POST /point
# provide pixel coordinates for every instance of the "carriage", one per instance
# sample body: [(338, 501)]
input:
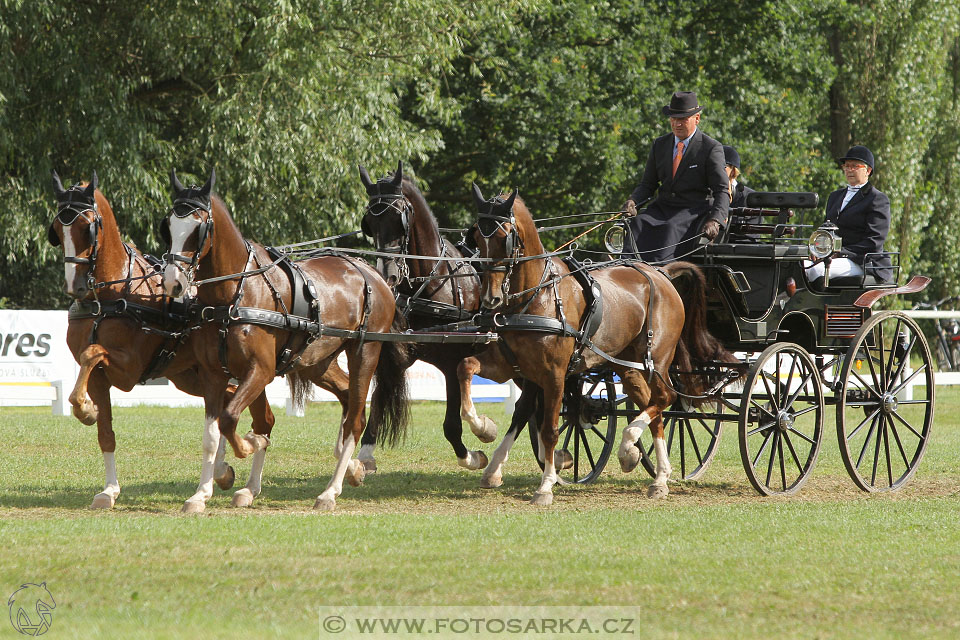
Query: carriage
[(804, 348)]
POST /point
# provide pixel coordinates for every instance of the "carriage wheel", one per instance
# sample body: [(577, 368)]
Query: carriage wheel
[(884, 415), (781, 419), (588, 426), (692, 438)]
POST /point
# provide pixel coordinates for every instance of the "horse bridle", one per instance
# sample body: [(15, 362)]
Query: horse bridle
[(488, 223), (379, 204), (184, 207), (68, 212)]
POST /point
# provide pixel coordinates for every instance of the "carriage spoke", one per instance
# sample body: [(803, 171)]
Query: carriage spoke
[(762, 408), (861, 425), (876, 453), (772, 398), (602, 436), (762, 427), (886, 448), (763, 445), (907, 424), (586, 447), (773, 456), (693, 441), (866, 385), (783, 470), (913, 375), (866, 442), (793, 452), (891, 359), (896, 437), (801, 435), (905, 360)]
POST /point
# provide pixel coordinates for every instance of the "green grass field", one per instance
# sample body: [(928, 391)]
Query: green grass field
[(713, 560)]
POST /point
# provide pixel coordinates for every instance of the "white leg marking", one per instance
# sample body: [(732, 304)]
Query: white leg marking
[(111, 488), (473, 460), (493, 474), (244, 497), (544, 494), (483, 427), (629, 453), (211, 441), (328, 499), (663, 462)]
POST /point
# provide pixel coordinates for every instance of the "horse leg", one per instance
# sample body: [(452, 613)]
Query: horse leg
[(85, 410), (99, 390), (453, 425), (211, 441), (362, 362), (654, 397), (552, 399), (247, 392), (493, 474), (336, 381), (483, 427), (263, 421)]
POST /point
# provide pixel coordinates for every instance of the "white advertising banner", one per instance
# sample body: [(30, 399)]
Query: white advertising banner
[(37, 368)]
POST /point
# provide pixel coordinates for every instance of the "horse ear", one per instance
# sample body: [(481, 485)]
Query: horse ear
[(478, 197), (364, 176), (52, 236), (207, 188), (58, 189), (398, 176), (92, 186), (509, 203), (177, 187)]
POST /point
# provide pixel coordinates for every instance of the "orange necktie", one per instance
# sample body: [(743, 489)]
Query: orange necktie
[(677, 158)]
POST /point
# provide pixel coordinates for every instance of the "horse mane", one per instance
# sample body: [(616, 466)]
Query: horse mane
[(218, 209), (527, 228)]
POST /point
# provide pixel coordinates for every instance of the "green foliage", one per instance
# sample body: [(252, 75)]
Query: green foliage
[(559, 98)]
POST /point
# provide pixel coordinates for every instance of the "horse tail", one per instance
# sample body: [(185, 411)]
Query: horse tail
[(697, 344), (390, 402), (299, 388)]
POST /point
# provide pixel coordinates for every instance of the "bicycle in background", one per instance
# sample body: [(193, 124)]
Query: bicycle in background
[(947, 334)]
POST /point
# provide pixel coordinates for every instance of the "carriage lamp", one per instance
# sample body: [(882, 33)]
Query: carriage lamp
[(613, 239), (824, 242)]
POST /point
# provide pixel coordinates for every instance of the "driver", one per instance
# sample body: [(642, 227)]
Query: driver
[(685, 168)]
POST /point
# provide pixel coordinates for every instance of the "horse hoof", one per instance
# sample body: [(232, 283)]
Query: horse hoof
[(102, 501), (487, 431), (369, 465), (542, 499), (324, 504), (226, 480), (473, 460), (84, 415), (257, 441), (491, 482), (192, 507), (562, 460), (355, 473), (657, 491), (242, 498), (629, 456)]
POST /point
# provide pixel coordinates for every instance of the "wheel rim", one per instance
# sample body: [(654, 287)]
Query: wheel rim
[(781, 420), (883, 421), (587, 427)]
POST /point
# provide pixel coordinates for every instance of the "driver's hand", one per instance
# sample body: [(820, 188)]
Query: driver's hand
[(711, 229), (630, 207)]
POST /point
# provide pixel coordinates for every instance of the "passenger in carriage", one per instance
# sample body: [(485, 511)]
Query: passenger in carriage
[(862, 215), (685, 169), (738, 190)]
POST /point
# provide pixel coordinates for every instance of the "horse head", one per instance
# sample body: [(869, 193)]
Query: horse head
[(387, 222), (496, 236), (187, 231), (76, 229)]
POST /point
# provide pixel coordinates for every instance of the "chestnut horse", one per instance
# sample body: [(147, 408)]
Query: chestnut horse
[(259, 321), (430, 293), (540, 310), (117, 328)]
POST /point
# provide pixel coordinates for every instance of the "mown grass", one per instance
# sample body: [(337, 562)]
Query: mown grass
[(712, 560)]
